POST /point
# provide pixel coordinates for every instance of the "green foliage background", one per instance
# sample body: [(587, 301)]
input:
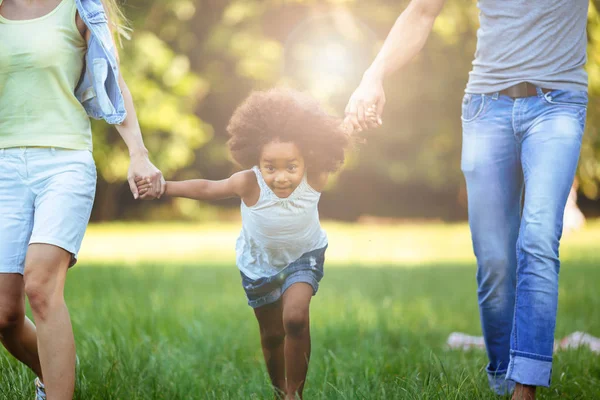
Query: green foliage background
[(190, 63)]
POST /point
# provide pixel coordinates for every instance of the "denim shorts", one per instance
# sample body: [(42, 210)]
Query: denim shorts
[(46, 196), (308, 269)]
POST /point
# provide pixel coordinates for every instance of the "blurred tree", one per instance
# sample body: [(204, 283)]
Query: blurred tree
[(589, 165)]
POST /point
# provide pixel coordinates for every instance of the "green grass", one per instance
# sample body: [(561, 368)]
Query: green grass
[(148, 328)]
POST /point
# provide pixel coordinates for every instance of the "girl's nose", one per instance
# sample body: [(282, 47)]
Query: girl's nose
[(280, 177)]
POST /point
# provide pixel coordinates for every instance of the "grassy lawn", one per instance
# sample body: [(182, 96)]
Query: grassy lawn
[(159, 313)]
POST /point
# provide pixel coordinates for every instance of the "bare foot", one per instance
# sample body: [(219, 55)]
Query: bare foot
[(524, 392)]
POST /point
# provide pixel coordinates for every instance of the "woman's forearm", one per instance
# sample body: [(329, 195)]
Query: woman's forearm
[(130, 128)]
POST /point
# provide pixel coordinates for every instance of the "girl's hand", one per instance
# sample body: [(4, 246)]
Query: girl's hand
[(144, 187)]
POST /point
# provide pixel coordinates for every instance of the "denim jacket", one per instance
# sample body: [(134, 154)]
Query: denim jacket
[(98, 89)]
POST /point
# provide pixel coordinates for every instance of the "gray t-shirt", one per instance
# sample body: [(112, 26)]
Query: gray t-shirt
[(538, 41)]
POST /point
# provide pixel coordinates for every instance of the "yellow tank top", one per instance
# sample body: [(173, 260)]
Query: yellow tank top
[(41, 61)]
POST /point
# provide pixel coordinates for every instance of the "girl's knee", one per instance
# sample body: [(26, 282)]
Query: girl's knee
[(10, 318), (272, 339), (295, 322)]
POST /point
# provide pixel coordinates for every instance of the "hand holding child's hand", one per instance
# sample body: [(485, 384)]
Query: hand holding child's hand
[(144, 186), (373, 121)]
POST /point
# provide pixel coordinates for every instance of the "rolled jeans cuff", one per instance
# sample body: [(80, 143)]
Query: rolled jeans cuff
[(529, 369)]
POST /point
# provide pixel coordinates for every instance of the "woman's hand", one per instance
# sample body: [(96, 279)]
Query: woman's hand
[(141, 167)]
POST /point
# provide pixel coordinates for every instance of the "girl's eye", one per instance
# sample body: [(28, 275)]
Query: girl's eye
[(270, 168), (292, 167)]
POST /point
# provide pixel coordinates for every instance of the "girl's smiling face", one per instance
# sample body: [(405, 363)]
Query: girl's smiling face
[(282, 167)]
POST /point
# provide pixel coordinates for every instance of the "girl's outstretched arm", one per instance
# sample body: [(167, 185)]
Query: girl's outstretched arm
[(240, 184)]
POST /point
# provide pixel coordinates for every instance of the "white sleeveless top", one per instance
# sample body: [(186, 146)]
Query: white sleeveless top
[(277, 231)]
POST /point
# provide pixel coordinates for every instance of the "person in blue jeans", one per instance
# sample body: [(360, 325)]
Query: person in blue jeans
[(523, 117)]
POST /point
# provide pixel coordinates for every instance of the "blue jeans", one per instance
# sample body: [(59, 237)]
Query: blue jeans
[(519, 158)]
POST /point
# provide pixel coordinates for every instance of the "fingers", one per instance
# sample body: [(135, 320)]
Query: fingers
[(133, 188), (380, 105), (372, 119), (147, 196), (157, 183), (163, 187), (144, 175), (351, 116), (147, 191), (347, 109), (362, 115), (144, 188), (372, 123), (350, 128), (143, 182)]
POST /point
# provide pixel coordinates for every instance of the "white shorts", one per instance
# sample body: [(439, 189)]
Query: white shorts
[(46, 196)]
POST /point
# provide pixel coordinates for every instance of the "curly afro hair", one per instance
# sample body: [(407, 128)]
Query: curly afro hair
[(287, 116)]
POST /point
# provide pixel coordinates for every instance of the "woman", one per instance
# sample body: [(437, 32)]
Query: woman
[(47, 173)]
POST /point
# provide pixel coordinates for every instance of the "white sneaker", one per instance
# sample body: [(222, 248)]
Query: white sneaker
[(579, 339), (40, 390), (462, 341)]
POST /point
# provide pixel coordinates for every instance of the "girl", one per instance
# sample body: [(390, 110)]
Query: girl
[(289, 146), (47, 173)]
